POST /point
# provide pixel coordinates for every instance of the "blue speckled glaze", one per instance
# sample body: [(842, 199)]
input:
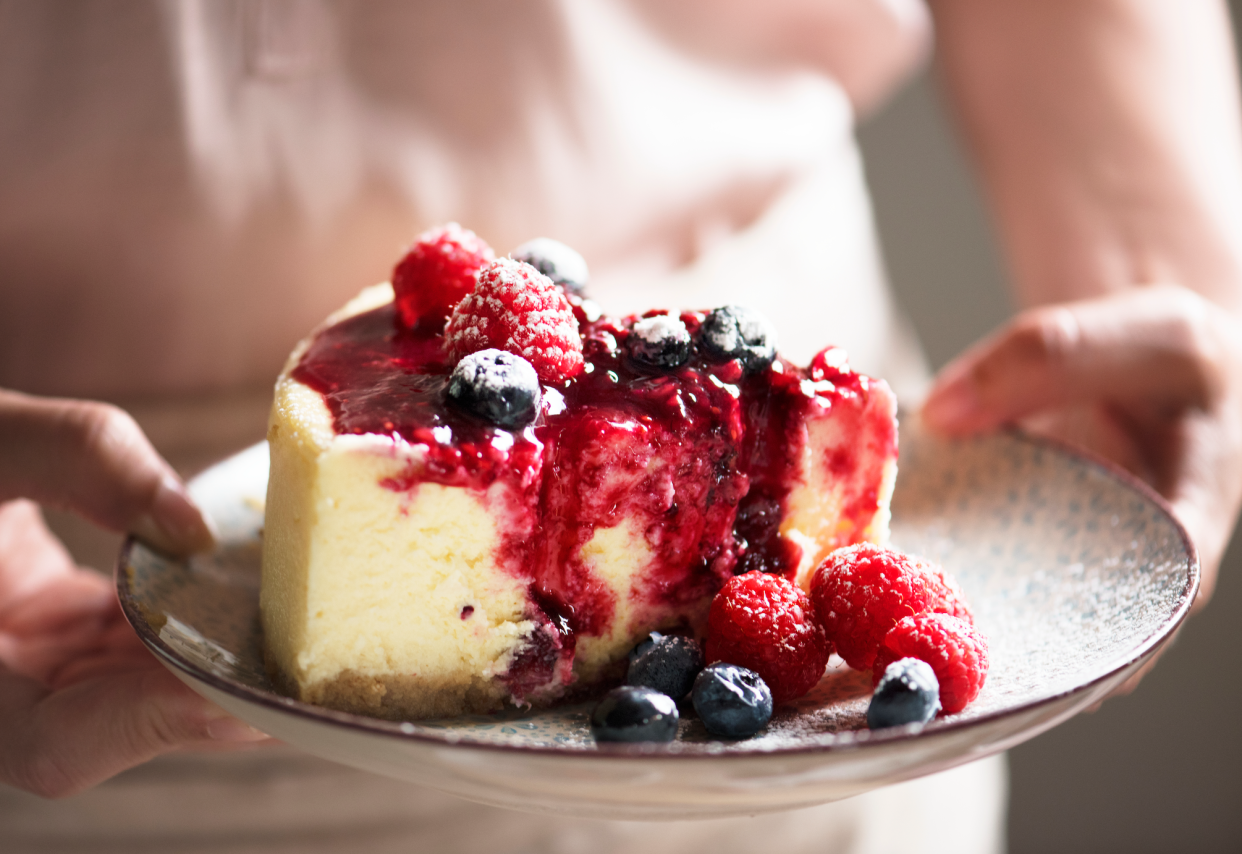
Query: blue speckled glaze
[(1072, 571)]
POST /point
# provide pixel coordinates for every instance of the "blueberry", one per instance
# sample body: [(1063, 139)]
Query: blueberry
[(498, 386), (732, 701), (645, 644), (733, 332), (633, 713), (661, 341), (557, 261), (667, 663), (908, 693)]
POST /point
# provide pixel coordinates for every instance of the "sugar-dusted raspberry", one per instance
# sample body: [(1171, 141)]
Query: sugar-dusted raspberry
[(437, 272), (949, 597), (956, 651), (860, 592), (516, 308), (766, 623)]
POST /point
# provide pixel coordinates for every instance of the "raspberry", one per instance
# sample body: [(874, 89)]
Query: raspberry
[(516, 308), (437, 272), (765, 623), (956, 651), (861, 591), (949, 599)]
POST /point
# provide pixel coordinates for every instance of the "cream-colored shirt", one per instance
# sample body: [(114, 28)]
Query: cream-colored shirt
[(188, 186)]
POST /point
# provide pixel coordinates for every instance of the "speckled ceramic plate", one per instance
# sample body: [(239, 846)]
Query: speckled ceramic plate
[(1076, 573)]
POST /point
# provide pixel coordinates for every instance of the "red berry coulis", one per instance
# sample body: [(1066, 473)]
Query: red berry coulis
[(701, 458)]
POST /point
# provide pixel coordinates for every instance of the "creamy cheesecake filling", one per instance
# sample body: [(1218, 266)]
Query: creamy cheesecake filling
[(370, 592), (419, 561)]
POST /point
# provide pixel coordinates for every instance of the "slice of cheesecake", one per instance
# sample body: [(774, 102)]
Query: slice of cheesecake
[(421, 561)]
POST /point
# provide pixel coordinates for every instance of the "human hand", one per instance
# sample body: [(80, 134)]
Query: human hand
[(80, 698), (1150, 379)]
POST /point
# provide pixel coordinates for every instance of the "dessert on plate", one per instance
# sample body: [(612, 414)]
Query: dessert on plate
[(483, 491)]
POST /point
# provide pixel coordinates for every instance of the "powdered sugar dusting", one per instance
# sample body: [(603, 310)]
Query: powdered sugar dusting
[(495, 380), (660, 328), (736, 332), (554, 259), (722, 337), (755, 328)]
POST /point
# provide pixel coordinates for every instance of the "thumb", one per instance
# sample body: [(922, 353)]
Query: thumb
[(60, 742), (1157, 347), (94, 459)]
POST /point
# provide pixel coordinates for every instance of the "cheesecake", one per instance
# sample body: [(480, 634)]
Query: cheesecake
[(426, 555)]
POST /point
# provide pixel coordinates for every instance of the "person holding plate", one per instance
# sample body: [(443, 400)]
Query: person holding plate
[(188, 186)]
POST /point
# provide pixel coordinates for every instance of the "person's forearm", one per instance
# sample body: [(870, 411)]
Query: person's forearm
[(1108, 136)]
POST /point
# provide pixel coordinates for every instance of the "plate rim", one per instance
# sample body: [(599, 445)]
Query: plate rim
[(844, 742)]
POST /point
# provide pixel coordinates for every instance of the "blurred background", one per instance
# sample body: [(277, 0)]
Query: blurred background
[(1160, 770)]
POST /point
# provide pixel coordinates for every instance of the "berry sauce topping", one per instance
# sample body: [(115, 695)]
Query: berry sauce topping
[(436, 273), (376, 378), (697, 459)]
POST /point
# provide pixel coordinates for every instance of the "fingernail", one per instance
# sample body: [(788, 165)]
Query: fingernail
[(231, 729), (221, 726), (951, 405), (174, 524)]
